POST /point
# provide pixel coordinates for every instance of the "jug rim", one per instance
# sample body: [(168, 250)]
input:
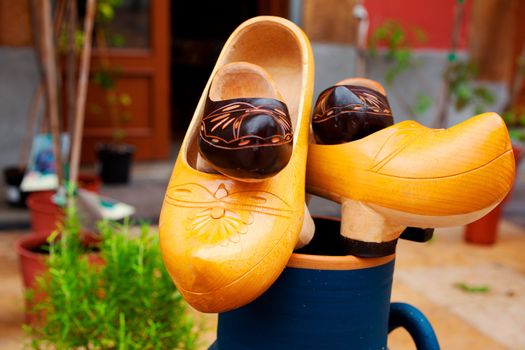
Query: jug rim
[(334, 262), (344, 262)]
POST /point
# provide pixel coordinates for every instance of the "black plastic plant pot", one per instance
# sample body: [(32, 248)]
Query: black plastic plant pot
[(15, 197), (115, 162)]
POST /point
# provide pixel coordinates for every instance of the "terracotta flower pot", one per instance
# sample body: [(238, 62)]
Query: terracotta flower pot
[(484, 231), (326, 302), (33, 264), (45, 214), (90, 182)]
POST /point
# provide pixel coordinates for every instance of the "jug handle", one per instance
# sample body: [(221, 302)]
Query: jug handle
[(417, 325)]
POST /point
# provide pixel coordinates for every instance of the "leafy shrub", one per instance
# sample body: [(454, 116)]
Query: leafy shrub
[(126, 300)]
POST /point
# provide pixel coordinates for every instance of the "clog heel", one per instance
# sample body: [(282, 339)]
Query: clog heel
[(406, 174), (225, 241)]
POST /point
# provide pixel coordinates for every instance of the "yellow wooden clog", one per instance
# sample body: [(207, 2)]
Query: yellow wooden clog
[(224, 242), (410, 175)]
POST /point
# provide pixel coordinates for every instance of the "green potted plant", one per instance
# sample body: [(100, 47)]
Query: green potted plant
[(398, 55), (122, 299), (33, 250), (115, 157)]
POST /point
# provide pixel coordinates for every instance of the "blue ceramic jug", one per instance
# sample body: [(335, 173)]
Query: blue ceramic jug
[(325, 302)]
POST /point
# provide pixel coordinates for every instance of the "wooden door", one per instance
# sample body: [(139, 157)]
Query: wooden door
[(141, 76), (199, 31)]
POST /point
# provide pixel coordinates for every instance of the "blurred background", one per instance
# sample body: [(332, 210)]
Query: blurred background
[(441, 62)]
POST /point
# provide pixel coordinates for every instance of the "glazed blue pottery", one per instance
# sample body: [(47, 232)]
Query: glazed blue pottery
[(327, 301)]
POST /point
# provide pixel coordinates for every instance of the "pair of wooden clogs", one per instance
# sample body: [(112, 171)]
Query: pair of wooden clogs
[(234, 208)]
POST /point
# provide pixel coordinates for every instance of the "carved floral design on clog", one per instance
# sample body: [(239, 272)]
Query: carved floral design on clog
[(228, 225), (223, 216)]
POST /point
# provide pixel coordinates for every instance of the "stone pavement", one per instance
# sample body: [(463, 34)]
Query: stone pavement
[(426, 277)]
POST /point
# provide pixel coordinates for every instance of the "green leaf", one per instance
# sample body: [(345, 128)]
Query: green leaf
[(508, 116), (463, 95), (522, 119), (472, 288), (117, 40), (423, 103), (403, 56), (106, 11), (119, 135), (380, 33), (390, 76), (463, 91), (79, 39), (398, 37), (420, 35), (484, 94), (517, 134), (104, 79), (125, 99)]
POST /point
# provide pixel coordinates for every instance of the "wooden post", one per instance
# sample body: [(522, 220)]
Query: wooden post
[(82, 91), (50, 67), (71, 63), (39, 91)]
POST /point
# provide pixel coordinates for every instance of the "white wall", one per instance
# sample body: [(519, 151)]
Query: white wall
[(18, 78)]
